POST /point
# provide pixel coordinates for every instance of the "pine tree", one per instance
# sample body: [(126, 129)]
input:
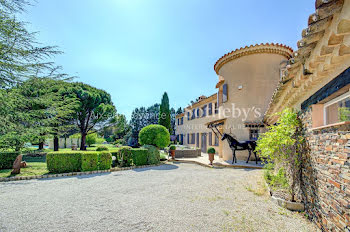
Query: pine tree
[(164, 113)]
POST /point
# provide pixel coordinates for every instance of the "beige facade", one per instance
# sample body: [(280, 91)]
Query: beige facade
[(247, 79), (191, 126), (64, 142)]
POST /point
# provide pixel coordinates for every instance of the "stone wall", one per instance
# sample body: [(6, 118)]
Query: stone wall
[(326, 176)]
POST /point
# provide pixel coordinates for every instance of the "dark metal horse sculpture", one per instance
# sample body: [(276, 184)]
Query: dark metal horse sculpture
[(237, 146)]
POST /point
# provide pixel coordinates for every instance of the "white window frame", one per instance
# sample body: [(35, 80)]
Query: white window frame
[(331, 102)]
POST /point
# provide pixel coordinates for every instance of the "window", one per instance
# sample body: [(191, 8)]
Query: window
[(197, 139), (198, 113), (210, 138), (193, 138), (182, 121), (178, 121), (337, 110), (224, 93), (188, 138), (188, 116), (177, 138), (204, 109), (181, 139), (193, 114), (210, 109), (216, 108), (216, 141), (253, 134)]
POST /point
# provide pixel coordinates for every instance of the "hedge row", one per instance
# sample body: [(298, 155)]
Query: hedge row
[(61, 162), (127, 156), (7, 159)]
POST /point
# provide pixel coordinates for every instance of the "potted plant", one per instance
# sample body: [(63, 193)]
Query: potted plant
[(211, 152), (172, 149)]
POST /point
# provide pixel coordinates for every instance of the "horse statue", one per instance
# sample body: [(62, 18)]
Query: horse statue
[(238, 146)]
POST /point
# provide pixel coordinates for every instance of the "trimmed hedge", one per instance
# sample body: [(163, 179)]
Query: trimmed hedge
[(89, 161), (58, 162), (153, 154), (104, 160), (125, 156), (61, 162), (156, 135), (139, 156), (7, 159), (102, 148)]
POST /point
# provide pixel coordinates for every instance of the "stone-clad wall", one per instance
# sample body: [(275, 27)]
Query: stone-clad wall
[(326, 176)]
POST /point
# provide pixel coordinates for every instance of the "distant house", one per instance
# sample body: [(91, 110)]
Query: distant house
[(64, 142)]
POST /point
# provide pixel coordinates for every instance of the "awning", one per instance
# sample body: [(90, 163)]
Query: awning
[(216, 123), (213, 125), (254, 124)]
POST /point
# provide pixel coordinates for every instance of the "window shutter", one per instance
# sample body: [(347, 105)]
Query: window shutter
[(210, 108), (224, 93)]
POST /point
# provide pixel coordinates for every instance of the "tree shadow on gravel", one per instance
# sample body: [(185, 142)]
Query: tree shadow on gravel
[(164, 167)]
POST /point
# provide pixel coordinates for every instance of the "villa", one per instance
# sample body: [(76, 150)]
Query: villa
[(258, 81), (247, 78)]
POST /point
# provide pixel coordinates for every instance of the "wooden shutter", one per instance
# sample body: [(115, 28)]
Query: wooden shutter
[(224, 93)]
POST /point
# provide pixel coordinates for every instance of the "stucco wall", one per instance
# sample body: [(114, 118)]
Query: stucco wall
[(258, 74)]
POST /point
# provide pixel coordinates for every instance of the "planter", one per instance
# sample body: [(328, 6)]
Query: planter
[(211, 158), (172, 153), (292, 206)]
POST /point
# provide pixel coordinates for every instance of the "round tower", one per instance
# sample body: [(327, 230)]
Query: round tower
[(247, 79)]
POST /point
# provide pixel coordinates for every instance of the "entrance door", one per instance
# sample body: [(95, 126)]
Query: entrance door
[(204, 143)]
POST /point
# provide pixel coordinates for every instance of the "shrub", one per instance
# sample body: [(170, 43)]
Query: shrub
[(7, 159), (172, 148), (91, 139), (58, 162), (139, 156), (278, 180), (104, 160), (102, 148), (155, 135), (124, 156), (163, 156), (211, 150), (284, 145), (120, 141), (89, 161), (153, 154)]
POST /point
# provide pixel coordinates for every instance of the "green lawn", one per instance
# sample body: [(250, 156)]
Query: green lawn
[(35, 166)]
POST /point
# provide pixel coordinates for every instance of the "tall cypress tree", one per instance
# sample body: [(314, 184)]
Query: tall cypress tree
[(164, 113)]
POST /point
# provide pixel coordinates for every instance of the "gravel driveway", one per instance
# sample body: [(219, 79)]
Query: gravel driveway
[(181, 197)]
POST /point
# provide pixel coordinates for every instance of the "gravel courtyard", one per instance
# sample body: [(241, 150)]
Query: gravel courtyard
[(181, 197)]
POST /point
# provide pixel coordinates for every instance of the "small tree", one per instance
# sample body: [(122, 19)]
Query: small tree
[(155, 135), (283, 145), (164, 113), (95, 107), (91, 139)]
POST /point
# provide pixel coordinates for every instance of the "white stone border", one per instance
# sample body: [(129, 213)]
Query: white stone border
[(116, 169)]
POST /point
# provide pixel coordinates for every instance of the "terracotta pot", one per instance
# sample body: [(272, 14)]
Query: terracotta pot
[(172, 152), (211, 158)]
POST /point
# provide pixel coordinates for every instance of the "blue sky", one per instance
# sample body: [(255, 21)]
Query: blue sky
[(137, 49)]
